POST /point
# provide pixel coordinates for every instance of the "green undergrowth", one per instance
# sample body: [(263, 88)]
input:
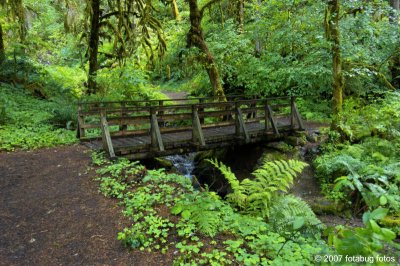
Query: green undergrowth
[(27, 122), (198, 227), (360, 163)]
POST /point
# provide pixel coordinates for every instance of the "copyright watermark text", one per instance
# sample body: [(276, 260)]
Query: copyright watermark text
[(355, 259)]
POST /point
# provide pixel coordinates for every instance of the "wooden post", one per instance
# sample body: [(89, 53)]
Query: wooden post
[(298, 117), (156, 140), (267, 114), (81, 121), (292, 99), (272, 120), (240, 128), (106, 137), (197, 132), (123, 127), (201, 110), (161, 104)]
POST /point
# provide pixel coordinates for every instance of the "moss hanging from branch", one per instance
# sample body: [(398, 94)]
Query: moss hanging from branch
[(195, 38)]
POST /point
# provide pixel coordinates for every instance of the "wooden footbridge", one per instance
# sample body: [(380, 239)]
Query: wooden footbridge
[(145, 129)]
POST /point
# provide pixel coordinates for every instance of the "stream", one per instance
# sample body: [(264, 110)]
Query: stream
[(183, 163)]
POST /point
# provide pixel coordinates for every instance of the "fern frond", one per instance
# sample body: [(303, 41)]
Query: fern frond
[(285, 210), (257, 196)]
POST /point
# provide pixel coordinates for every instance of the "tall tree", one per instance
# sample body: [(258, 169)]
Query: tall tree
[(195, 38), (332, 20), (2, 49), (175, 10), (126, 24), (93, 44), (395, 60)]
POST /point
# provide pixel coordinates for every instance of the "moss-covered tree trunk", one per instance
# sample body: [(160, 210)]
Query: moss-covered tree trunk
[(2, 49), (395, 61), (195, 38), (240, 7), (258, 47), (333, 35), (175, 10), (93, 45)]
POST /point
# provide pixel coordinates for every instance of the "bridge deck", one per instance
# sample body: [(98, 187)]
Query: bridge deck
[(162, 132)]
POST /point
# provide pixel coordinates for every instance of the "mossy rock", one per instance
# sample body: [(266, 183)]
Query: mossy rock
[(280, 146), (296, 141), (163, 163), (325, 206)]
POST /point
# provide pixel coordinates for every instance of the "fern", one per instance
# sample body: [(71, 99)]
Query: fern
[(287, 209), (257, 196)]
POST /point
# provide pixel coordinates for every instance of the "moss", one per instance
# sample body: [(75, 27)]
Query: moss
[(324, 206), (391, 221)]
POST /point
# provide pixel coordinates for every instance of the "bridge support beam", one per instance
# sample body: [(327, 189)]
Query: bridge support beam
[(270, 118), (295, 114), (156, 140), (240, 128), (197, 132), (105, 136)]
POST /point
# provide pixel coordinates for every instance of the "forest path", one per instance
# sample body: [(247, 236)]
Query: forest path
[(52, 214)]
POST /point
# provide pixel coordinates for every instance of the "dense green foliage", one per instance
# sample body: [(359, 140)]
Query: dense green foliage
[(29, 123), (198, 220)]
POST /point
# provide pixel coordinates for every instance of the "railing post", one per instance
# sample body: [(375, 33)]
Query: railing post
[(292, 114), (161, 112), (237, 120), (267, 115), (81, 121), (156, 140), (201, 109), (240, 127), (106, 137), (197, 132), (123, 126)]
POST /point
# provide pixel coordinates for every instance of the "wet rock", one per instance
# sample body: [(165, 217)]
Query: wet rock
[(296, 141), (280, 146), (325, 206)]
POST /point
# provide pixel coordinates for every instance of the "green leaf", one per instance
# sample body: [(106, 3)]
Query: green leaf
[(186, 214), (177, 209), (298, 223), (382, 200), (378, 214), (388, 234), (375, 227)]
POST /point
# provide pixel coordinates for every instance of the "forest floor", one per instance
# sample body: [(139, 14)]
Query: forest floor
[(52, 214)]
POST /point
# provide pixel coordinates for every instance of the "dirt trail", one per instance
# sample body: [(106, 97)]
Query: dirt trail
[(52, 214)]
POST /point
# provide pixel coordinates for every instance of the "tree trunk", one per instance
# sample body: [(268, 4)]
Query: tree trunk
[(258, 47), (240, 8), (2, 50), (395, 65), (195, 38), (175, 10), (93, 45), (333, 35)]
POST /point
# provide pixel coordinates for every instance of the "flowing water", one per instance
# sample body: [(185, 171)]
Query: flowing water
[(184, 163)]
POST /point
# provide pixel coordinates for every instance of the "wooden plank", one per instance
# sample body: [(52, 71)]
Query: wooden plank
[(106, 137), (197, 132), (156, 140)]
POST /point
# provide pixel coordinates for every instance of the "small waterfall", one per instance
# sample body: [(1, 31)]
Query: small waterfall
[(183, 163)]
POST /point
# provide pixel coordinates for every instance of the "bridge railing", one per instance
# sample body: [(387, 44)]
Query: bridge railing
[(155, 118)]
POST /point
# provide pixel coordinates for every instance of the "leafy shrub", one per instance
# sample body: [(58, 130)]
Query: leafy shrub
[(370, 240), (27, 125)]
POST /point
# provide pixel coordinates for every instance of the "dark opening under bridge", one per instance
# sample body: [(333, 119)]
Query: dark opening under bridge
[(145, 129)]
